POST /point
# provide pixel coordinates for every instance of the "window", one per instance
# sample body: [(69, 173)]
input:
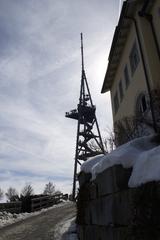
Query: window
[(126, 77), (120, 90), (134, 58), (116, 103)]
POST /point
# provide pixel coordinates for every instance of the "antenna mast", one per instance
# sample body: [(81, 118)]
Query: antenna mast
[(82, 52), (86, 127)]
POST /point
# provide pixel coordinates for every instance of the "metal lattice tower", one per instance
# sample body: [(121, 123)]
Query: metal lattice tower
[(87, 129)]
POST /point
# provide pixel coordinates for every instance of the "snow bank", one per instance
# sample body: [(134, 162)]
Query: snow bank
[(146, 168), (142, 154), (66, 230)]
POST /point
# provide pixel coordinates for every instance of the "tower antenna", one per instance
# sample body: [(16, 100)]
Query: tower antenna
[(82, 52), (88, 142)]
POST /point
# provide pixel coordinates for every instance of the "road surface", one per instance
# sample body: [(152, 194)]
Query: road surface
[(40, 227)]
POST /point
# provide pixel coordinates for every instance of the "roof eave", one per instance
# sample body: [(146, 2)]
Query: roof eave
[(107, 87), (116, 45)]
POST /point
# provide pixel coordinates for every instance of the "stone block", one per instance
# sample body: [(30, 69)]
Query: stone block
[(121, 177), (105, 182), (101, 211), (120, 233), (92, 233), (116, 209), (87, 215), (83, 178), (113, 233), (84, 192), (112, 180), (123, 207), (93, 191), (82, 212), (80, 231), (106, 233)]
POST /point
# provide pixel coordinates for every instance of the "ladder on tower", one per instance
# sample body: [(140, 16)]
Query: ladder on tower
[(85, 114)]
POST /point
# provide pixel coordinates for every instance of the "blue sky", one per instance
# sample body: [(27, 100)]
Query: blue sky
[(40, 71)]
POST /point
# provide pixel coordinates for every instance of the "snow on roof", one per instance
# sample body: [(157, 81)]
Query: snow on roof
[(142, 154)]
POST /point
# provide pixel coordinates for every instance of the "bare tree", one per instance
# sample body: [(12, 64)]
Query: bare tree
[(151, 119), (27, 190), (12, 194), (130, 128), (57, 192), (1, 193), (49, 189), (143, 123), (94, 147), (108, 142)]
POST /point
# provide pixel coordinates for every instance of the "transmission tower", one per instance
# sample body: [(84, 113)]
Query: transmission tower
[(89, 141)]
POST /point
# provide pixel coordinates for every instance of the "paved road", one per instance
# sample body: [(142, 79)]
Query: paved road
[(40, 227)]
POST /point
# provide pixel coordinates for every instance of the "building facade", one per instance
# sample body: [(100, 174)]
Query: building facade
[(133, 72)]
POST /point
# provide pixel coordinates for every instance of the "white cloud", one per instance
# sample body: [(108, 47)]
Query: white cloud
[(40, 71)]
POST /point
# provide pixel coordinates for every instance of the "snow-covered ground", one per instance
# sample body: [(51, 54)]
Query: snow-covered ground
[(64, 230), (9, 218), (142, 154)]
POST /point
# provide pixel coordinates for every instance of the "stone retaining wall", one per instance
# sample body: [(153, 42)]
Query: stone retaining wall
[(109, 210)]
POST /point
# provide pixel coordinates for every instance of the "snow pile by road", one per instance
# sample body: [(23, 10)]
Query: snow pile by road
[(142, 154), (66, 230), (9, 218)]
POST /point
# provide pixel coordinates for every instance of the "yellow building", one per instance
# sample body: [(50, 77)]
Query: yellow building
[(133, 72)]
